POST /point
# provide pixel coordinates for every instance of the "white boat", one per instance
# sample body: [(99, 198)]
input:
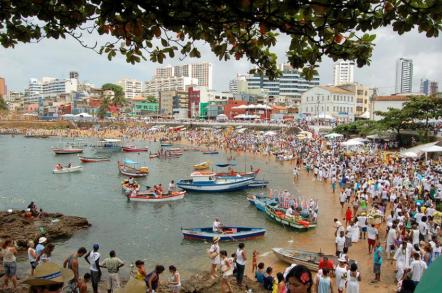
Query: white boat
[(68, 170), (209, 182)]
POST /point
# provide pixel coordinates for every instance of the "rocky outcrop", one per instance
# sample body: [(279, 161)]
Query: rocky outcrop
[(53, 226)]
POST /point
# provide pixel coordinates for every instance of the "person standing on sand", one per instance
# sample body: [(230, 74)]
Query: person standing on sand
[(93, 259), (227, 270), (214, 256), (324, 283), (32, 256), (372, 236), (8, 253), (72, 263), (113, 265), (241, 258), (377, 262)]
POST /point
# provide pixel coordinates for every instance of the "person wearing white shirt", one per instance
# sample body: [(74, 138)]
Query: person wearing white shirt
[(216, 227), (417, 267), (340, 243)]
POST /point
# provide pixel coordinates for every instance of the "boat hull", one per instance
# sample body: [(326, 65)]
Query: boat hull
[(214, 186), (147, 198), (134, 150), (293, 224), (196, 234), (67, 151), (93, 160)]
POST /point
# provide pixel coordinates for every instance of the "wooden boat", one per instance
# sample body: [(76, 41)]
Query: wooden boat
[(64, 170), (151, 156), (209, 182), (296, 223), (223, 165), (134, 149), (201, 166), (243, 174), (261, 202), (86, 159), (130, 171), (300, 257), (210, 152), (36, 136), (229, 233), (258, 183), (67, 150), (150, 197), (109, 145), (165, 144)]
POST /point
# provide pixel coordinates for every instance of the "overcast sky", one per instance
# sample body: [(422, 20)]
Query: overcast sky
[(57, 57)]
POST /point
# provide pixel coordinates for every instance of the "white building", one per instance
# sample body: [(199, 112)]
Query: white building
[(239, 84), (404, 76), (50, 86), (383, 103), (132, 88), (35, 87), (343, 72), (328, 101), (173, 83), (201, 71)]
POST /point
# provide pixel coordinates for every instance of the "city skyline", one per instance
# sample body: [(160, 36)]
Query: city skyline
[(19, 64)]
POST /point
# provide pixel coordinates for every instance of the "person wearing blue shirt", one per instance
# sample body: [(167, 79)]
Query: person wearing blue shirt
[(377, 262), (259, 274)]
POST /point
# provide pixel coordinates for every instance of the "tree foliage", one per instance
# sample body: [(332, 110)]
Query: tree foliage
[(152, 99), (423, 109), (394, 119), (3, 105), (362, 127), (118, 99), (158, 29), (104, 107)]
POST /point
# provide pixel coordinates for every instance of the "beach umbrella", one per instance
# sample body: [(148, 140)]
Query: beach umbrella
[(431, 280)]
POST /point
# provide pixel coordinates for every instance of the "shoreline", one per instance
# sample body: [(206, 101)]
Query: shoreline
[(319, 189)]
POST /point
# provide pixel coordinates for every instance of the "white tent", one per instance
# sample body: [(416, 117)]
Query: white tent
[(67, 115), (324, 116), (432, 149), (244, 116), (240, 107), (269, 133), (333, 135), (351, 143), (410, 155), (84, 115), (365, 115)]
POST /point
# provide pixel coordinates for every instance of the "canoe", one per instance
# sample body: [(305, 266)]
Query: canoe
[(278, 215), (166, 144), (85, 159), (300, 257), (153, 156), (149, 197), (229, 234), (133, 149), (258, 183), (201, 166), (67, 151), (68, 170)]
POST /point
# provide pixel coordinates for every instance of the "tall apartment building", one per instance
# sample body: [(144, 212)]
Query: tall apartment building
[(343, 72), (201, 71), (428, 87), (239, 84), (404, 76), (3, 88), (50, 86), (434, 87), (173, 83), (290, 84), (132, 88), (74, 74)]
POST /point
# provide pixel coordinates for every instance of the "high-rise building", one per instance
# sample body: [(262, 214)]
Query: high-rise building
[(434, 87), (289, 84), (425, 86), (239, 84), (156, 85), (201, 71), (74, 75), (343, 72), (3, 88), (404, 76), (49, 86), (132, 88)]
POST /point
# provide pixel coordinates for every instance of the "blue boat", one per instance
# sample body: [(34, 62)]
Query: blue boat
[(260, 202), (257, 183), (229, 233), (208, 181), (166, 144)]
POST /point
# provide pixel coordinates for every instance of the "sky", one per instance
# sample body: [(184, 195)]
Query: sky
[(56, 58)]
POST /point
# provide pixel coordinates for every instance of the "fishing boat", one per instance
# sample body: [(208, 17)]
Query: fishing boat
[(64, 170), (297, 223), (242, 174), (209, 182), (261, 202), (93, 159), (67, 150), (229, 233), (30, 135), (300, 257), (150, 196), (126, 169), (151, 156), (201, 166), (109, 145), (223, 165), (134, 149), (166, 144)]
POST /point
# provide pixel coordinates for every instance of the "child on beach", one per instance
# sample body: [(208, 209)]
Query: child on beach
[(254, 260)]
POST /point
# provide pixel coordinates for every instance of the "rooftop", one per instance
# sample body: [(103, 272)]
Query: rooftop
[(336, 90), (391, 98)]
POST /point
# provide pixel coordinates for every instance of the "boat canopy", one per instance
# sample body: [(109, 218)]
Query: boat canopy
[(111, 140)]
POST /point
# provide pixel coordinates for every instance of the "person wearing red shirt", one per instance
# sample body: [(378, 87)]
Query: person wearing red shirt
[(348, 216)]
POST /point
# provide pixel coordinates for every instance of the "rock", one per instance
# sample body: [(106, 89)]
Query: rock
[(53, 226)]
